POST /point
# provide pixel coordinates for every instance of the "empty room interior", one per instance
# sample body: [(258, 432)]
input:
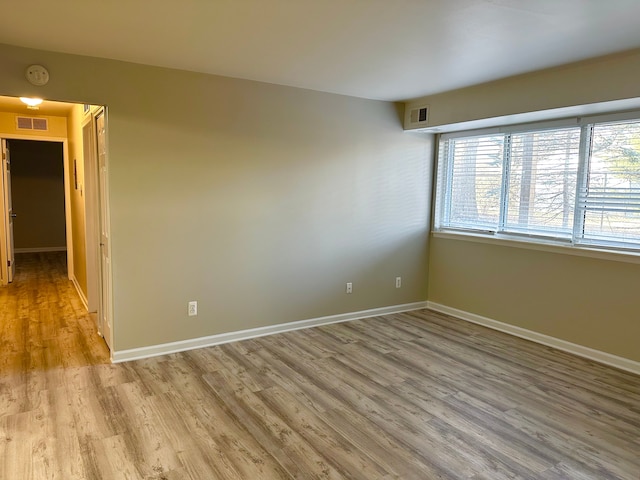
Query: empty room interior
[(344, 239)]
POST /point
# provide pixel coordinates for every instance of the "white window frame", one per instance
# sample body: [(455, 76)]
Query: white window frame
[(574, 245)]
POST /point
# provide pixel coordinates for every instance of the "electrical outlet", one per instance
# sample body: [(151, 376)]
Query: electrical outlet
[(349, 287), (398, 282), (193, 308)]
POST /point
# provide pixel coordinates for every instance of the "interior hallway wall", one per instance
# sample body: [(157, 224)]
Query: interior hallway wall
[(77, 197), (37, 174)]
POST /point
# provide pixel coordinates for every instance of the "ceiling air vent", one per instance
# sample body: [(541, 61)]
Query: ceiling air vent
[(40, 124), (32, 123), (24, 123), (417, 116)]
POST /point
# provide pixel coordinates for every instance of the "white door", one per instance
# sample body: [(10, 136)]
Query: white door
[(105, 254), (8, 261)]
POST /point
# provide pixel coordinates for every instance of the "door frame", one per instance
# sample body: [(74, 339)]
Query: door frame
[(92, 209), (97, 279), (67, 192), (7, 268), (92, 216), (102, 213)]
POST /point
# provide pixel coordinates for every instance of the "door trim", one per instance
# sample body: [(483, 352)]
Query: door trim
[(6, 233), (92, 217), (105, 312)]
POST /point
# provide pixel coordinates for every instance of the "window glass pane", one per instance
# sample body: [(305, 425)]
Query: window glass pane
[(476, 177), (611, 200), (542, 182)]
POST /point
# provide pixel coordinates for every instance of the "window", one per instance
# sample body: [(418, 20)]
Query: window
[(609, 202), (571, 184)]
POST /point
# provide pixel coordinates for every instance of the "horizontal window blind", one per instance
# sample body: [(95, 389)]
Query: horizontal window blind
[(542, 182), (578, 184), (476, 178), (610, 196)]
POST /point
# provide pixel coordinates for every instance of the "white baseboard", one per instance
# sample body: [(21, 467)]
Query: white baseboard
[(191, 344), (582, 351), (39, 249), (83, 298)]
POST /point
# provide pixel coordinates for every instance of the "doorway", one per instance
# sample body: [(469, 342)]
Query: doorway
[(77, 219), (33, 200), (37, 191)]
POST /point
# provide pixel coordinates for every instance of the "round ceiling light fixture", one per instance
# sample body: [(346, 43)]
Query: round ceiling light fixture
[(32, 102)]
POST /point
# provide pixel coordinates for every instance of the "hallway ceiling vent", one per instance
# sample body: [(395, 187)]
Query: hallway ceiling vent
[(32, 123)]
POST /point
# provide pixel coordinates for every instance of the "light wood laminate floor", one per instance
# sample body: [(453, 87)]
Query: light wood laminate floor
[(408, 396)]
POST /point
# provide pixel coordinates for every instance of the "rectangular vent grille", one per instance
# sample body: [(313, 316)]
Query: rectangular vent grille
[(40, 124), (24, 123), (419, 115), (32, 123)]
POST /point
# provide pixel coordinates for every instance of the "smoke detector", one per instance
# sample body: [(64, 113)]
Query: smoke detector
[(37, 75)]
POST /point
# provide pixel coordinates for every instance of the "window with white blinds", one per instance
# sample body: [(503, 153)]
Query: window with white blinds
[(475, 182), (576, 184), (609, 196)]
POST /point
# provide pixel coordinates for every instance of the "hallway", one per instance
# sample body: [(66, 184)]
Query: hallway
[(47, 338), (43, 323)]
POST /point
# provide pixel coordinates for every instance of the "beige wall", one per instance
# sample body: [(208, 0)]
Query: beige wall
[(77, 199), (259, 201), (57, 125), (586, 301), (600, 80), (37, 178)]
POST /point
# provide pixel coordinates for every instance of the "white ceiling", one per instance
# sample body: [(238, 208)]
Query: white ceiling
[(382, 49)]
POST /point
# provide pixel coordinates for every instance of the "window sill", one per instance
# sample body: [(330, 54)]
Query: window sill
[(541, 245)]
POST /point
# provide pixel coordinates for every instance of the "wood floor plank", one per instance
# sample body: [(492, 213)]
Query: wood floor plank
[(144, 437), (572, 370), (420, 440), (283, 442), (421, 413), (209, 456), (67, 452), (213, 417), (17, 445), (411, 396), (581, 456), (390, 453), (343, 455), (287, 373)]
